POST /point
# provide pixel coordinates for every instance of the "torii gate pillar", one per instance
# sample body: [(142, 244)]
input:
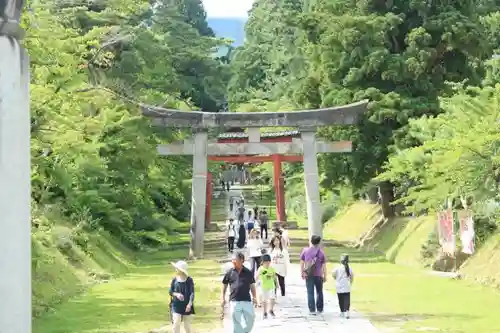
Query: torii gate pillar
[(198, 192), (279, 188), (311, 180), (15, 193)]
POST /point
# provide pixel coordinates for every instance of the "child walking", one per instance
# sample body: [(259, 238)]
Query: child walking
[(343, 281), (268, 282), (182, 298)]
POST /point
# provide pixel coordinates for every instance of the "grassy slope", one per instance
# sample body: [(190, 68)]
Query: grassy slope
[(62, 269), (59, 274), (353, 222), (402, 238), (416, 300), (484, 265)]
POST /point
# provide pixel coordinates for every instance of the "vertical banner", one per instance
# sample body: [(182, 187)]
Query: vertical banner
[(467, 233), (445, 229)]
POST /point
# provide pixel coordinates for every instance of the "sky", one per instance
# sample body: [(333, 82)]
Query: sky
[(227, 8)]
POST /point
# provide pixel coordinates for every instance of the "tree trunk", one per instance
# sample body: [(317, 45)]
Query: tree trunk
[(387, 197), (372, 195)]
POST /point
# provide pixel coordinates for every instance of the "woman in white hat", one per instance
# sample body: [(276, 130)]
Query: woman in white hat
[(182, 298)]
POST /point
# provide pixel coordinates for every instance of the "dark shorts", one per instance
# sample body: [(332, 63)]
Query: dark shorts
[(250, 226)]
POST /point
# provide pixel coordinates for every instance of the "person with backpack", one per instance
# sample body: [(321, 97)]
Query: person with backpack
[(343, 281), (313, 268), (231, 235), (182, 298)]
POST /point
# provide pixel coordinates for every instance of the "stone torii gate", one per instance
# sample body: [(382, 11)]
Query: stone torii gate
[(200, 147)]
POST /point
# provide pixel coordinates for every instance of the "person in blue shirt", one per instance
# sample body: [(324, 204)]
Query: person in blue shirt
[(182, 298)]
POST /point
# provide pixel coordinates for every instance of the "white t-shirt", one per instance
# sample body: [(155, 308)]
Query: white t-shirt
[(254, 246), (280, 260), (231, 229), (342, 281)]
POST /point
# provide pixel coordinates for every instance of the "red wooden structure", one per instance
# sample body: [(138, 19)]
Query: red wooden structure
[(279, 185)]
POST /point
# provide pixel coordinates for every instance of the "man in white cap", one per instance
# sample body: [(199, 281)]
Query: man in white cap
[(182, 298)]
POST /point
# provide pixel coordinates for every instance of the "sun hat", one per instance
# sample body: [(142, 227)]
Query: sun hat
[(181, 266)]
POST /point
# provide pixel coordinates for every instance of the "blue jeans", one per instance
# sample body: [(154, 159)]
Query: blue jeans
[(242, 311), (312, 283)]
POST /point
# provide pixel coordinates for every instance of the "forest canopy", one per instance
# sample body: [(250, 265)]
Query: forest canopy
[(93, 155), (431, 131)]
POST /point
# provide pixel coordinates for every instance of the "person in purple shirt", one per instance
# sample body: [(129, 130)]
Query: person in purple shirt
[(313, 268)]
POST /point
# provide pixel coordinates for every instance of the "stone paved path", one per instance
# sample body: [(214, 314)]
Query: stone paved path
[(293, 316)]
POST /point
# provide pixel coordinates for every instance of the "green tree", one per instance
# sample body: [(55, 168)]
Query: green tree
[(458, 158)]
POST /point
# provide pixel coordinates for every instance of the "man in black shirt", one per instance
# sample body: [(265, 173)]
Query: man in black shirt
[(241, 284)]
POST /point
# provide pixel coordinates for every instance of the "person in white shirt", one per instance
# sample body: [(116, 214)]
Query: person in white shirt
[(230, 234), (280, 260), (254, 246), (343, 282)]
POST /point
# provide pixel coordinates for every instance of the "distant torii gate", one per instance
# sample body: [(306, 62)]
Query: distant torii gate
[(200, 147), (276, 137)]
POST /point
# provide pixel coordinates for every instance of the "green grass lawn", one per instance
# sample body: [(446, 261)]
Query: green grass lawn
[(137, 302), (405, 300), (402, 299)]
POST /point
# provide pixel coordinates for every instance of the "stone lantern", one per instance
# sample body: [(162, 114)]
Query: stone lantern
[(15, 224)]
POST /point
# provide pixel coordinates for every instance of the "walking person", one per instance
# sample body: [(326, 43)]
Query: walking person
[(231, 235), (343, 281), (313, 268), (280, 260), (267, 276), (241, 213), (254, 245), (242, 237), (182, 298), (250, 221), (231, 203), (241, 284), (263, 221)]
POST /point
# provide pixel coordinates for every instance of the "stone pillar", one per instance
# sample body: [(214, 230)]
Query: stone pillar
[(311, 180), (15, 224), (198, 192)]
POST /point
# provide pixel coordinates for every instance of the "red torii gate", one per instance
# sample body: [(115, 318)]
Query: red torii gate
[(277, 159)]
